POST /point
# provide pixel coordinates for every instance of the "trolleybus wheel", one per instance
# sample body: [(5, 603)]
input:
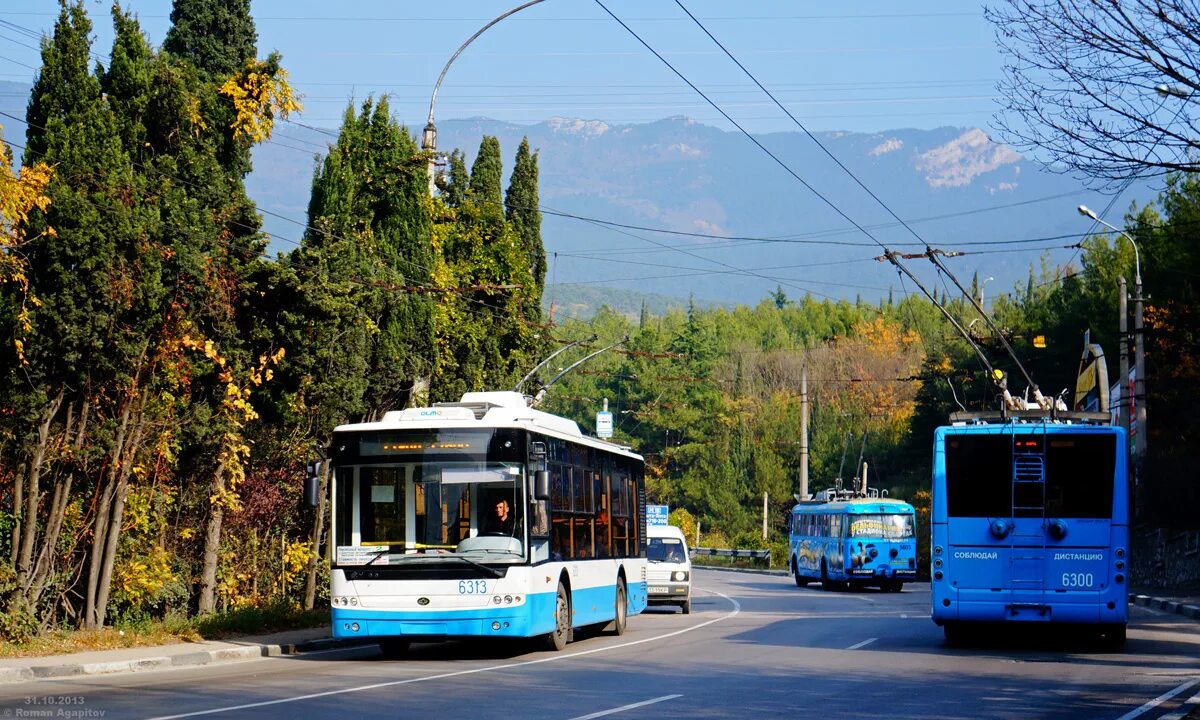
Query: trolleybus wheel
[(621, 610), (954, 633), (893, 586), (1114, 636), (557, 639), (800, 582), (393, 648)]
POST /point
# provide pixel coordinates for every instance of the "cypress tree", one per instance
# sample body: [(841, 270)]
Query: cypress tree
[(521, 204), (217, 37), (486, 173), (456, 182)]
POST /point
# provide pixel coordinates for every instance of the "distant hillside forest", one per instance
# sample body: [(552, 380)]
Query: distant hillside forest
[(166, 382)]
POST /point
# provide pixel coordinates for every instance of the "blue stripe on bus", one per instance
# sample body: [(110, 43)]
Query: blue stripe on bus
[(535, 617)]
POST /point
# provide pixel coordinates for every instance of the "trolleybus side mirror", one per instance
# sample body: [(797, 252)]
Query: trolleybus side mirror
[(312, 482), (541, 485)]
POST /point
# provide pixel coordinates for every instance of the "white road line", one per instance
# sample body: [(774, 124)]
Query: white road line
[(623, 708), (864, 643), (737, 608), (1158, 700), (1187, 706)]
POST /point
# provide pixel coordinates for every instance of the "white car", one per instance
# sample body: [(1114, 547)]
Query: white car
[(669, 567)]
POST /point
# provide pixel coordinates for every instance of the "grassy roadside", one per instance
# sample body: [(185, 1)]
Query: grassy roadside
[(218, 626)]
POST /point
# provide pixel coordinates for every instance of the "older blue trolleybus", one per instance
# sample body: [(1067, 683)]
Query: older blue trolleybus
[(1030, 524), (848, 541), (483, 518)]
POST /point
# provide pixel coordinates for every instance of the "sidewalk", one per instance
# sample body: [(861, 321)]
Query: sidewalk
[(158, 657), (1185, 605)]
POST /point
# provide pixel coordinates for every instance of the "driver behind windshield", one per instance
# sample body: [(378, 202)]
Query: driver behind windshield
[(500, 521)]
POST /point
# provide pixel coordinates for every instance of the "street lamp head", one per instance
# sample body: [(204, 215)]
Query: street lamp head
[(1085, 211)]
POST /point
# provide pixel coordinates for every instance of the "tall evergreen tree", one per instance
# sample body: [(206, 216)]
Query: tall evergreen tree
[(521, 205), (217, 37)]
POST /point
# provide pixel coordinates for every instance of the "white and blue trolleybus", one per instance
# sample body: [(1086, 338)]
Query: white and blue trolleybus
[(483, 518)]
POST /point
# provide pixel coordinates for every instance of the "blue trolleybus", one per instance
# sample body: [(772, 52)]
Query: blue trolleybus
[(1030, 525), (483, 518), (853, 542)]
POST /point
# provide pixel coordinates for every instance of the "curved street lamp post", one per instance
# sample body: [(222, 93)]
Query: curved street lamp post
[(1139, 358), (429, 134)]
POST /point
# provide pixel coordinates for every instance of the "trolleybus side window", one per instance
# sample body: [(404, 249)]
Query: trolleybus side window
[(1079, 471), (979, 476)]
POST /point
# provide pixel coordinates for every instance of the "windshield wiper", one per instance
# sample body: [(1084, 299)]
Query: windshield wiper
[(490, 571), (382, 553)]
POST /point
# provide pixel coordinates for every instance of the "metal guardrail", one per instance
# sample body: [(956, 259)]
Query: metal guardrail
[(733, 553)]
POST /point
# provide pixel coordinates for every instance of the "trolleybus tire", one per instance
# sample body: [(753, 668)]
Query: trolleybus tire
[(557, 638), (893, 586), (620, 609), (955, 633), (800, 581), (1113, 636), (394, 648)]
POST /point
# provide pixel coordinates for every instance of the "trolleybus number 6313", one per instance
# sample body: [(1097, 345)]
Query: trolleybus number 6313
[(472, 587)]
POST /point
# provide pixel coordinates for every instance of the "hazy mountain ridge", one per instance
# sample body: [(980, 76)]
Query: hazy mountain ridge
[(684, 176)]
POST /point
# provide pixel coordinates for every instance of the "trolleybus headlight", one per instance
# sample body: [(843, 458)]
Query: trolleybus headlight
[(497, 600), (353, 601), (496, 625), (353, 627), (508, 599)]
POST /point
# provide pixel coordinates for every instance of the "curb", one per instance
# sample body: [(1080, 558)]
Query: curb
[(190, 659), (1169, 606)]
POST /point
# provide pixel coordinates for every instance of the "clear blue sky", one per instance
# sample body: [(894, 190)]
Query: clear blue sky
[(861, 66)]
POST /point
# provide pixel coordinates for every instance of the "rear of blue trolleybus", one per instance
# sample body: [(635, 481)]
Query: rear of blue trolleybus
[(1030, 524)]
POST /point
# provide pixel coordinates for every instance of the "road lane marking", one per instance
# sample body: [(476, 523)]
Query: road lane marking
[(1158, 700), (1188, 706), (630, 706), (864, 643), (737, 608)]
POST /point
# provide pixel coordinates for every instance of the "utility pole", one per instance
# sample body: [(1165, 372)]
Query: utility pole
[(804, 432), (1139, 369), (1123, 327)]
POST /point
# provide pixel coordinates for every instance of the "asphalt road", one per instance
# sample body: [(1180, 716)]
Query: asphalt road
[(754, 646)]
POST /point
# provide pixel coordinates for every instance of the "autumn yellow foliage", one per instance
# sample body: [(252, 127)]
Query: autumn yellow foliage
[(19, 196), (260, 93)]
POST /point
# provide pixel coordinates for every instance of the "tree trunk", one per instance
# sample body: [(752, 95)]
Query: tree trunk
[(310, 584), (48, 553), (29, 524), (212, 545), (93, 613), (108, 560)]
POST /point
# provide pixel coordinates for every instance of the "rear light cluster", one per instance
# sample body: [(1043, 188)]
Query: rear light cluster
[(937, 562), (1120, 565)]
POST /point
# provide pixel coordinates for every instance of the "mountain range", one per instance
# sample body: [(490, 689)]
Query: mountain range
[(743, 220)]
